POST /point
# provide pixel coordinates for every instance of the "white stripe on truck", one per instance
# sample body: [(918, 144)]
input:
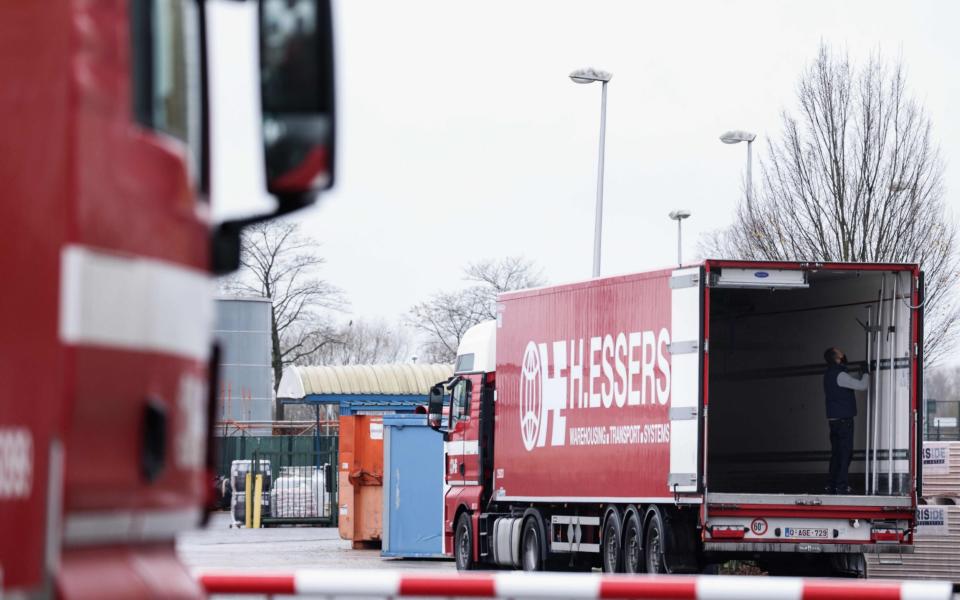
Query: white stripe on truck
[(462, 447), (134, 303), (101, 527)]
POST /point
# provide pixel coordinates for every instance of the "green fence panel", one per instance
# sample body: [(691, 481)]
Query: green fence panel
[(296, 457)]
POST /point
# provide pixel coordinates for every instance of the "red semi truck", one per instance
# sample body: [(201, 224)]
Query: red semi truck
[(109, 253), (665, 421)]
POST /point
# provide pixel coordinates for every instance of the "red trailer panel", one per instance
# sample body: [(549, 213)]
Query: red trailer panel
[(583, 384)]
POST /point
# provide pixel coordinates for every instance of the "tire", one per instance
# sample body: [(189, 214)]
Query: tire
[(463, 543), (531, 556), (653, 552), (611, 554), (633, 545)]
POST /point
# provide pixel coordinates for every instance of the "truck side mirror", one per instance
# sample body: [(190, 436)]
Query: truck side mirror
[(297, 99), (297, 115), (435, 408)]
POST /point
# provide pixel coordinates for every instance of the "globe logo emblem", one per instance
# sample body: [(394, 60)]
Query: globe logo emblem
[(531, 396)]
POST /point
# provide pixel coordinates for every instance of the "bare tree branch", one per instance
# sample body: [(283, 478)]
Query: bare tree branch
[(445, 317), (854, 176), (279, 263)]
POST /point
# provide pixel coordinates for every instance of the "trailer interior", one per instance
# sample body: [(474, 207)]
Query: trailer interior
[(767, 430)]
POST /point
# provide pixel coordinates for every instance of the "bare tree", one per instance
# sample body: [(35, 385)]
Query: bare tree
[(941, 383), (363, 343), (856, 177), (443, 319), (279, 263), (446, 316)]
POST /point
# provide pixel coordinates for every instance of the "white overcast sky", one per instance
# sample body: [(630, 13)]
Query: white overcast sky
[(461, 137)]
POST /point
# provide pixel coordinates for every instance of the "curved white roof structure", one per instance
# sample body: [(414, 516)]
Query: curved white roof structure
[(393, 380)]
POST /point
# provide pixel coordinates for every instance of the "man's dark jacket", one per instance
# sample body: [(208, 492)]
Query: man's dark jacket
[(841, 403)]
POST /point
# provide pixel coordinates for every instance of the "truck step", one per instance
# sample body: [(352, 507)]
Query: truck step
[(890, 559)]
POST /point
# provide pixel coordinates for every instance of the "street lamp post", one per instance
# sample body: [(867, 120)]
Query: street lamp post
[(735, 137), (679, 216), (589, 76)]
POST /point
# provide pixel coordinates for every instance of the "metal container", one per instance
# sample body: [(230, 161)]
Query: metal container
[(361, 480), (413, 488), (246, 377)]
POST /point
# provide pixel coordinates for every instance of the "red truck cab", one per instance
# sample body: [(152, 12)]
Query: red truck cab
[(109, 253)]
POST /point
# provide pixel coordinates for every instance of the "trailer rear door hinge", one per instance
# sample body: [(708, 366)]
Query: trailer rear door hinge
[(683, 413), (682, 479), (679, 282), (684, 347)]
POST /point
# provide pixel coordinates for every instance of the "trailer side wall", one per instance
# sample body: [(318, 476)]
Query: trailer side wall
[(583, 391)]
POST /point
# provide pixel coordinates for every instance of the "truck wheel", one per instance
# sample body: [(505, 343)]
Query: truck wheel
[(463, 543), (633, 545), (611, 546), (654, 546), (531, 559)]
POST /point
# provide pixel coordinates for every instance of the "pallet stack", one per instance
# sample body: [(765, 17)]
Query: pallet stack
[(300, 492), (941, 470), (937, 543), (238, 479)]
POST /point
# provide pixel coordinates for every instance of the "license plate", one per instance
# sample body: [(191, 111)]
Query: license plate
[(804, 532)]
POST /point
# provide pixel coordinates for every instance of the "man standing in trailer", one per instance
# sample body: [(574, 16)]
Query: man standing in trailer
[(838, 388)]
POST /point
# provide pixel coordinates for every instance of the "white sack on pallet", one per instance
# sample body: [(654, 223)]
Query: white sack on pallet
[(299, 492)]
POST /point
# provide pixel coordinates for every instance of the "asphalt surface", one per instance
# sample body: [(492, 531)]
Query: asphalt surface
[(283, 548)]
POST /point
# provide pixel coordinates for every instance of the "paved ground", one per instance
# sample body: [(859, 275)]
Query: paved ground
[(220, 547)]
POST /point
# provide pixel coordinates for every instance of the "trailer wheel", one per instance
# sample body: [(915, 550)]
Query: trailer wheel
[(633, 545), (463, 543), (531, 558), (654, 543), (610, 545)]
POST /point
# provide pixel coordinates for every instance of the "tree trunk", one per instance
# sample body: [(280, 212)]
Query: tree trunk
[(277, 365)]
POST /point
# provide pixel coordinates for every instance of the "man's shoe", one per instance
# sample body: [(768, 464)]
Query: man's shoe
[(845, 491), (829, 490)]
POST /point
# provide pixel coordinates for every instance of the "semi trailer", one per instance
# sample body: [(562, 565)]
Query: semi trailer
[(665, 421)]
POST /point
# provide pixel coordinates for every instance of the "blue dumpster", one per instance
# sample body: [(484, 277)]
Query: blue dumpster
[(412, 488)]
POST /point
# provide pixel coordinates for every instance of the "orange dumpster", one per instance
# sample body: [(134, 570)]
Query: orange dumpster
[(361, 480)]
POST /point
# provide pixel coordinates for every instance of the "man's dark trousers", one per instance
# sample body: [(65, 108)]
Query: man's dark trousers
[(841, 452)]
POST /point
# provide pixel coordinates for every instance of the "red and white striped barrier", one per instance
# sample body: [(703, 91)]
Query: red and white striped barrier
[(573, 586)]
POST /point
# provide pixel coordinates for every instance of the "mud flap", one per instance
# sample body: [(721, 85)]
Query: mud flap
[(681, 552)]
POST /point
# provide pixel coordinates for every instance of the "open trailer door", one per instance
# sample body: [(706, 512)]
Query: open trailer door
[(686, 376)]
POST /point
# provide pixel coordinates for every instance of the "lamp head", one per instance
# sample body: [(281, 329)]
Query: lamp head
[(735, 137), (589, 75)]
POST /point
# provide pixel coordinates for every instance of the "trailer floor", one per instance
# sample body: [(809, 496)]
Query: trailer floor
[(220, 547)]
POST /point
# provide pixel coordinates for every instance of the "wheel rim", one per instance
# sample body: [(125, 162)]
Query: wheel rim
[(631, 550), (612, 546), (463, 548), (653, 550), (531, 552)]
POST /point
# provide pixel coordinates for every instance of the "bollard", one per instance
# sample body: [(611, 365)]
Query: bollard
[(246, 498), (258, 487)]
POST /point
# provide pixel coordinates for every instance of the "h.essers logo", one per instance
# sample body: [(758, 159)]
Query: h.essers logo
[(531, 396), (626, 369)]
